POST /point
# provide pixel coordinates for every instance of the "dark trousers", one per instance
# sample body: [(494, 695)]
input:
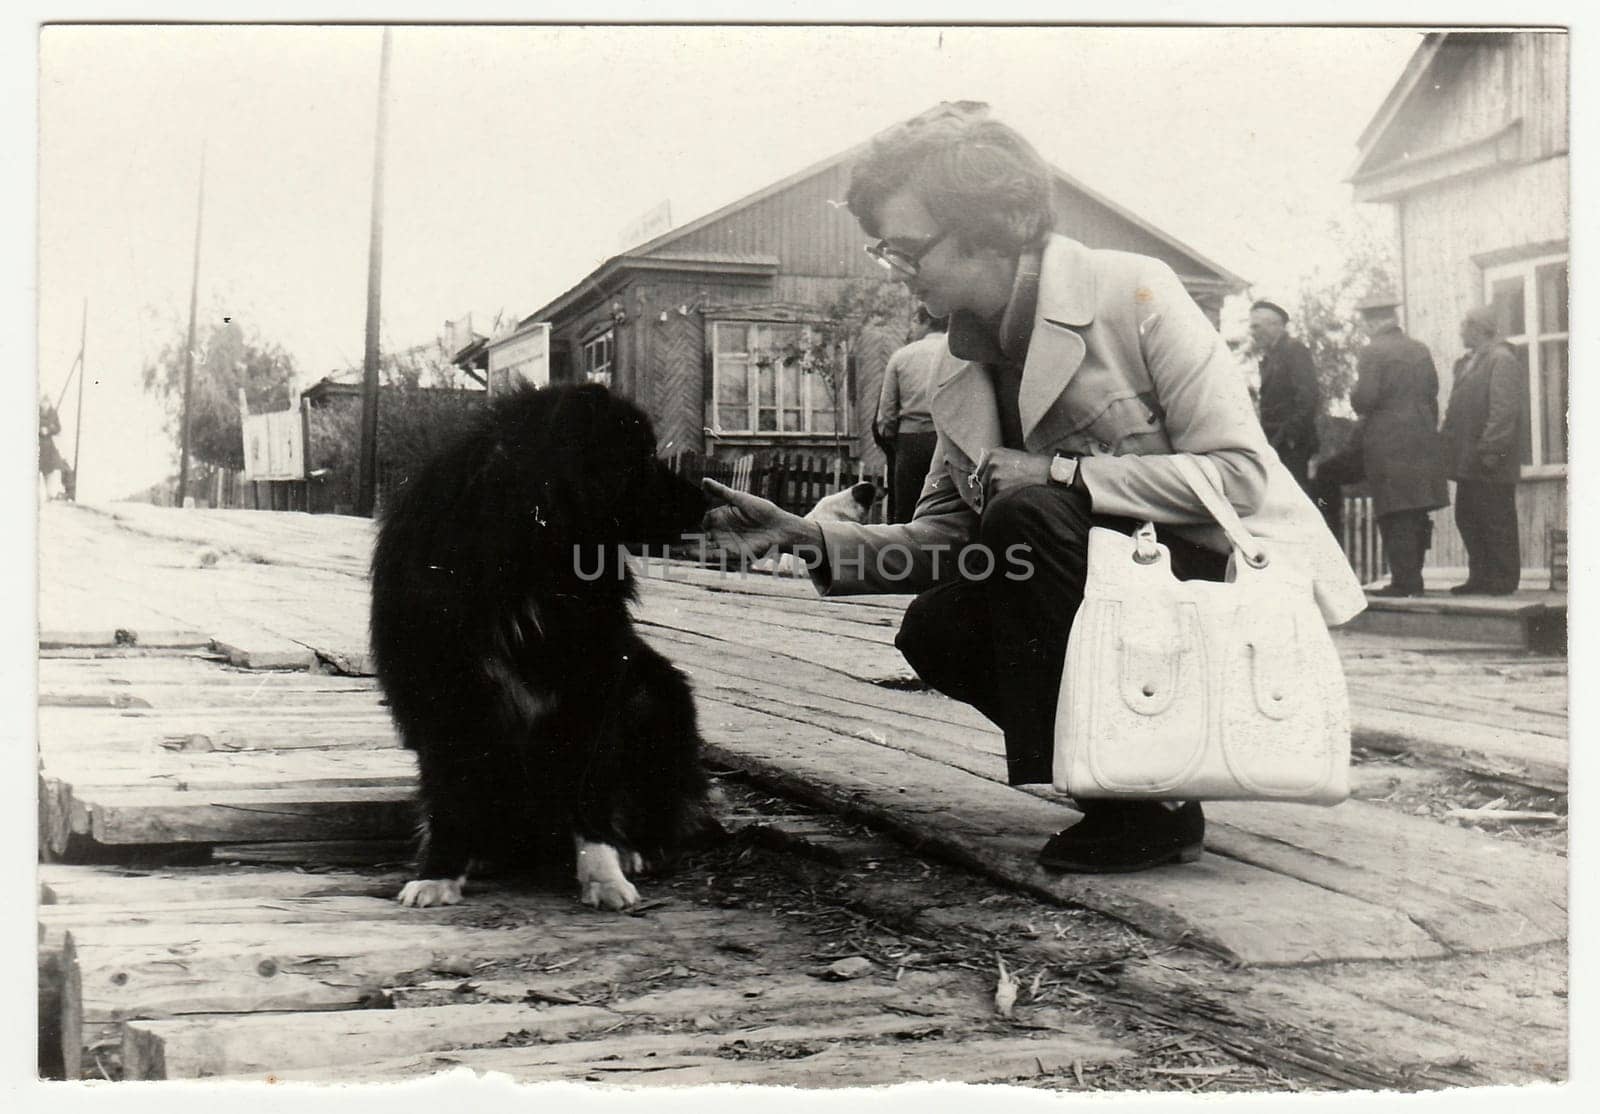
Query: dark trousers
[(913, 456), (1486, 515), (1406, 538), (998, 643)]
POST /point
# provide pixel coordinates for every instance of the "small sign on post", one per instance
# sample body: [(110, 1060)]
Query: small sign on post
[(274, 445)]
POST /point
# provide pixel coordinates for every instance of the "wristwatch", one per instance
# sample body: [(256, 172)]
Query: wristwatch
[(1063, 470)]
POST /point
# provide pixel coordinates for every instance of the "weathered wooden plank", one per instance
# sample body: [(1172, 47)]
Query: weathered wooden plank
[(213, 770), (853, 658), (1500, 753), (109, 816), (1252, 915), (1471, 892), (260, 649), (732, 583), (274, 1044), (319, 852), (61, 884), (1473, 699), (112, 975), (57, 637), (1459, 1021), (634, 1052), (55, 921), (226, 732), (971, 1060), (346, 697), (687, 607)]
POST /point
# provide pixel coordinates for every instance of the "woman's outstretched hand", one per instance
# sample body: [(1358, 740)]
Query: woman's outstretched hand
[(753, 526)]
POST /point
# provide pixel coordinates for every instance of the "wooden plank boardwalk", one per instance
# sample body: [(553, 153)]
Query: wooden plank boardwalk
[(204, 700)]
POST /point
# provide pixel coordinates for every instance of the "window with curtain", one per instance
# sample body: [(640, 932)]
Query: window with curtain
[(759, 385), (1530, 302)]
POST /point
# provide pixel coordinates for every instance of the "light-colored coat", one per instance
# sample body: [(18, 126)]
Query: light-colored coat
[(1123, 370)]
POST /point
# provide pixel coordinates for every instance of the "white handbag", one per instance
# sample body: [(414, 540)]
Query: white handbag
[(1201, 690)]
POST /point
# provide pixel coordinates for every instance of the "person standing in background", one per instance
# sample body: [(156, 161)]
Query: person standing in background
[(1480, 434), (50, 462), (1397, 397), (1290, 398), (904, 419)]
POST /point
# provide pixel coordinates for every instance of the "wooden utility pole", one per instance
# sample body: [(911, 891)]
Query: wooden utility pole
[(367, 492), (188, 349), (83, 373)]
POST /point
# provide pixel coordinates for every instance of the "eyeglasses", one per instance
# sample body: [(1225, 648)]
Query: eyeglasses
[(899, 260)]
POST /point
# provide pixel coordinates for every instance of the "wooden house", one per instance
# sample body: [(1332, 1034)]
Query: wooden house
[(1470, 149), (680, 322)]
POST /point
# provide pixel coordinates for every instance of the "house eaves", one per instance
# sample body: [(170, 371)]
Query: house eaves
[(1416, 68), (1428, 168), (610, 273)]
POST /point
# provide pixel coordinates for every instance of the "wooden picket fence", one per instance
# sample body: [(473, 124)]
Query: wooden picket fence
[(1362, 544), (794, 481)]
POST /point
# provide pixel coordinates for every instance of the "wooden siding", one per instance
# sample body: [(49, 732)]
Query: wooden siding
[(1095, 225), (1443, 228), (1478, 84), (1446, 226), (670, 376), (1540, 75), (806, 226), (1541, 506)]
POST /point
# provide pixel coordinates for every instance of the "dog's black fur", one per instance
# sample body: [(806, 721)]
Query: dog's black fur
[(502, 640)]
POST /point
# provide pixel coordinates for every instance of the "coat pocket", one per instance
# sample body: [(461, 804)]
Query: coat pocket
[(1125, 426)]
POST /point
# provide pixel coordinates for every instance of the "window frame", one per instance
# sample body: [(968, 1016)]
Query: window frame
[(606, 337), (1530, 342), (810, 382)]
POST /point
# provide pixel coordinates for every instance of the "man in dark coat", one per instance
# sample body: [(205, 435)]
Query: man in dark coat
[(1289, 395), (1396, 396), (1481, 426)]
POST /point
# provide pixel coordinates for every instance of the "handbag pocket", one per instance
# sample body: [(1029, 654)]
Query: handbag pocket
[(1146, 732), (1273, 728)]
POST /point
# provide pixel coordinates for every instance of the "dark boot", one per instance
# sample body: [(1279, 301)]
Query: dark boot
[(1117, 837)]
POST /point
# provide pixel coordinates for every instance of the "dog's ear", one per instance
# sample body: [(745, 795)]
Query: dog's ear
[(865, 494)]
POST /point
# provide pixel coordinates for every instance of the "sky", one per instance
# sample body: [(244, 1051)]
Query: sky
[(516, 156)]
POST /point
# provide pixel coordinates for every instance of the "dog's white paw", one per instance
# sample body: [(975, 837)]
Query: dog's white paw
[(615, 895), (431, 891), (602, 881)]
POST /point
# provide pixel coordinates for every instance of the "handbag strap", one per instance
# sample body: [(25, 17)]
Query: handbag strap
[(1201, 475)]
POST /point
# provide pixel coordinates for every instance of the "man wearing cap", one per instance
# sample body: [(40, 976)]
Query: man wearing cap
[(1480, 432), (1289, 395), (1396, 395)]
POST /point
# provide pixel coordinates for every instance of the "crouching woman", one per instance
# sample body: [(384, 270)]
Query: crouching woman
[(1085, 373)]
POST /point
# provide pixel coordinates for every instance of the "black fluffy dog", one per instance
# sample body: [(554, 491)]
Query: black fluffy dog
[(542, 725)]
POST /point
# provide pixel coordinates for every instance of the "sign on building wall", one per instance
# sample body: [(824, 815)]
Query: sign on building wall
[(274, 446), (523, 357)]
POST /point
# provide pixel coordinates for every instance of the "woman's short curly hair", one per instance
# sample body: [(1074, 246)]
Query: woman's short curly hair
[(977, 177)]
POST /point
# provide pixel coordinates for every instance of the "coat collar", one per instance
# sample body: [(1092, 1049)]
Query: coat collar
[(963, 403), (1066, 304)]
